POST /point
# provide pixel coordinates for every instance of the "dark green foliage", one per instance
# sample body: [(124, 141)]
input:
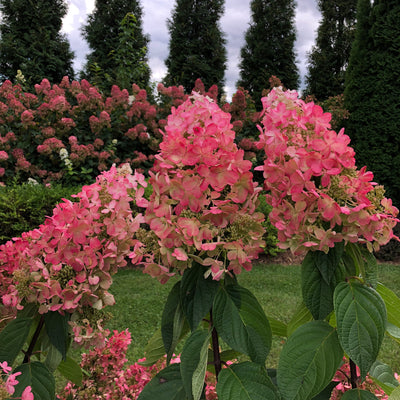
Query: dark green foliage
[(197, 46), (118, 46), (25, 207), (372, 92), (31, 41), (328, 59), (269, 47), (271, 234)]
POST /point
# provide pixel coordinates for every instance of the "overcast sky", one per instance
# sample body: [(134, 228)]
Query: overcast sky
[(234, 23)]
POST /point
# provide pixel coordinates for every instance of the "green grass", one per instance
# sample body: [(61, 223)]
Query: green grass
[(140, 300)]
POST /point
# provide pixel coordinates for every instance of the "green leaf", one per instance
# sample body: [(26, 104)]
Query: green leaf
[(358, 394), (197, 294), (361, 322), (328, 262), (241, 322), (166, 385), (327, 392), (308, 360), (318, 287), (29, 311), (383, 376), (172, 321), (246, 381), (393, 331), (278, 328), (194, 363), (301, 316), (13, 337), (53, 358), (57, 330), (36, 375), (71, 370), (154, 349), (392, 303), (395, 395)]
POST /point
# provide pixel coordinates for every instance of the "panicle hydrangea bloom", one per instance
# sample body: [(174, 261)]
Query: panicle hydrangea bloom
[(203, 203), (318, 195), (111, 378), (66, 264)]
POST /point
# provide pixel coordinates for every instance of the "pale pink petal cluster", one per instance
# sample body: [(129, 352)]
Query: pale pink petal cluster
[(66, 264), (8, 386), (342, 376), (109, 377), (318, 195), (204, 198)]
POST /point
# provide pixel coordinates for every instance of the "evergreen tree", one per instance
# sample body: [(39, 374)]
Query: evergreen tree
[(115, 36), (30, 41), (269, 47), (328, 59), (196, 46), (372, 92)]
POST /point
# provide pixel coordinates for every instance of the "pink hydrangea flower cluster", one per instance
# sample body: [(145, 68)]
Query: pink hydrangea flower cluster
[(66, 264), (318, 195), (204, 198), (110, 378), (7, 386), (342, 376)]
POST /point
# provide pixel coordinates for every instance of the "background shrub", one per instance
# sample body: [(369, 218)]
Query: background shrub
[(24, 207)]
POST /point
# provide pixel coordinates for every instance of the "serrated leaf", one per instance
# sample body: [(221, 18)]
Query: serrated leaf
[(71, 370), (392, 303), (328, 262), (53, 358), (395, 395), (39, 378), (358, 394), (308, 360), (194, 363), (301, 316), (393, 331), (13, 337), (361, 322), (241, 322), (383, 376), (278, 328), (57, 330), (327, 392), (246, 381), (197, 294), (317, 292), (154, 349), (29, 311), (166, 385), (172, 321)]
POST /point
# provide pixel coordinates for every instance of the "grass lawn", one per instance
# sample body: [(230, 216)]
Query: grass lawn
[(140, 301)]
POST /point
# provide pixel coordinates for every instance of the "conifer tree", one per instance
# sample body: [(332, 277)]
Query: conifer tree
[(329, 58), (116, 40), (196, 46), (372, 92), (30, 41), (269, 47)]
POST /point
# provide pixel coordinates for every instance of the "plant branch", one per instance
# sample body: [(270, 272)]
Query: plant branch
[(215, 348), (353, 374), (32, 344)]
